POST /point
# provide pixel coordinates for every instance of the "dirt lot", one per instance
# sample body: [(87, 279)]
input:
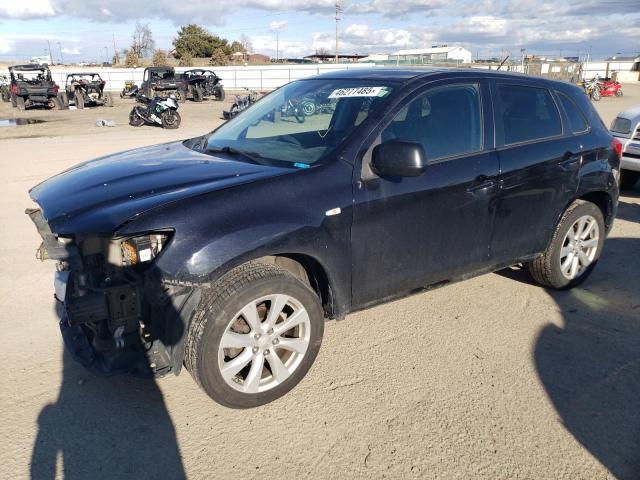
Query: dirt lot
[(489, 378)]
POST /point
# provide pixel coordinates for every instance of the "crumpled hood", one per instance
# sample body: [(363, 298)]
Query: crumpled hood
[(99, 195)]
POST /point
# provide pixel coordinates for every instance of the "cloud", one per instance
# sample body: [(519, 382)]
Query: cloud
[(26, 9), (71, 51), (277, 26)]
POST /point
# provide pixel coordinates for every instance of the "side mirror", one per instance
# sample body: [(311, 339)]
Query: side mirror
[(395, 158)]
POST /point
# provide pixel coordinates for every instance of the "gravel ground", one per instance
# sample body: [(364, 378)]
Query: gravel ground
[(489, 378)]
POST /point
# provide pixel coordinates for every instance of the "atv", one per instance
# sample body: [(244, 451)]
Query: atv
[(199, 84), (130, 89), (85, 88), (159, 82), (31, 84)]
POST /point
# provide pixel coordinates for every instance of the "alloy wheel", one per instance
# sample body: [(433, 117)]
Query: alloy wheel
[(264, 343), (579, 247)]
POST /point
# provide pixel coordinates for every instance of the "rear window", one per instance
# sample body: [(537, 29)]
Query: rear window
[(621, 125), (527, 113), (577, 122)]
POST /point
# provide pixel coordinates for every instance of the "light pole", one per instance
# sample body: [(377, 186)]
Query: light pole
[(522, 50), (106, 53), (61, 58)]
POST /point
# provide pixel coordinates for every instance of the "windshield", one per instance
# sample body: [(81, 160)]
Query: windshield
[(302, 122)]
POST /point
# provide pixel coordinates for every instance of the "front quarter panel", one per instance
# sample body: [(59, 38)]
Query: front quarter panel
[(215, 232)]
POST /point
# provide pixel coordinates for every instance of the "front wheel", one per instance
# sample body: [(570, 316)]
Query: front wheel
[(198, 95), (107, 99), (595, 95), (254, 336), (171, 119), (619, 93), (574, 249), (221, 95), (135, 120), (20, 103), (79, 100)]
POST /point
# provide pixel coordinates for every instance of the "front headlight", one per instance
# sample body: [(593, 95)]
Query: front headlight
[(143, 248)]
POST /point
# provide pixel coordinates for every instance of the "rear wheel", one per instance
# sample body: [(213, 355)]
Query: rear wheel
[(595, 95), (58, 103), (20, 103), (107, 99), (221, 94), (182, 96), (171, 119), (5, 96), (79, 100), (619, 93), (64, 99), (309, 108), (14, 100), (574, 249), (628, 178), (254, 336)]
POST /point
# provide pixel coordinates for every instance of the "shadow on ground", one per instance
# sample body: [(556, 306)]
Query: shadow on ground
[(590, 366), (106, 428)]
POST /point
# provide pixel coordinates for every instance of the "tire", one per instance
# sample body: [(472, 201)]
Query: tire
[(64, 98), (221, 95), (628, 178), (309, 108), (79, 100), (220, 310), (20, 103), (619, 93), (234, 110), (595, 95), (107, 99), (122, 93), (182, 96), (14, 101), (197, 94), (299, 114), (547, 268), (135, 120), (171, 119), (58, 102), (5, 96)]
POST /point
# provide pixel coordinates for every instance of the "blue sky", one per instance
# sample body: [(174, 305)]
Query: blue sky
[(81, 29)]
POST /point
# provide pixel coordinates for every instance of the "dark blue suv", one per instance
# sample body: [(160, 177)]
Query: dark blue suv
[(225, 253)]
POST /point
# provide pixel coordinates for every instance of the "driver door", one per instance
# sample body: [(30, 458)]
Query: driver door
[(412, 232)]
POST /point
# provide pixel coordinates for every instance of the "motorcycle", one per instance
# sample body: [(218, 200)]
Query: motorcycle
[(156, 111), (293, 109), (592, 89), (242, 102), (610, 88)]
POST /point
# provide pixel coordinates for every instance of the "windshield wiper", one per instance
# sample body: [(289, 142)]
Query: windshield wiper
[(253, 157)]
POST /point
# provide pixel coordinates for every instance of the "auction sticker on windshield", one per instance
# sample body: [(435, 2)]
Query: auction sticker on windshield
[(359, 92)]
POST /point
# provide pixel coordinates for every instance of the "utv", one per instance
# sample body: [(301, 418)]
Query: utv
[(85, 88), (31, 84), (130, 89), (159, 82), (199, 84)]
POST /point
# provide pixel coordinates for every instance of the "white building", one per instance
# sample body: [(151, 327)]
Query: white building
[(434, 54), (375, 57)]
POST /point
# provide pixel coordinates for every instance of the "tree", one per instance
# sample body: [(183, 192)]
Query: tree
[(236, 46), (219, 57), (160, 58), (142, 40), (186, 60), (131, 59), (246, 43), (198, 42)]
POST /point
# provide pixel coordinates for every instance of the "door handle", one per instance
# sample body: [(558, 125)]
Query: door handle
[(482, 182)]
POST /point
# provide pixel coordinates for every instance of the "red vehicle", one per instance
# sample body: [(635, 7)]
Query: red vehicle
[(609, 88)]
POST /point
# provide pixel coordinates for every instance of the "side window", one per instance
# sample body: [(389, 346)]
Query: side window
[(446, 120), (577, 122), (527, 113)]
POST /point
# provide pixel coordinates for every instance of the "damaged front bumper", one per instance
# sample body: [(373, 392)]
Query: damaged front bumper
[(115, 318)]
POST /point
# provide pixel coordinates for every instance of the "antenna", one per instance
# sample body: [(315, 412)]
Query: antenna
[(338, 12)]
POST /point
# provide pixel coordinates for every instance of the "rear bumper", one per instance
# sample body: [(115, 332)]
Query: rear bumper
[(630, 163)]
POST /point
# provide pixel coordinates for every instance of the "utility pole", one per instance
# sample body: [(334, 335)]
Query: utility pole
[(277, 45), (106, 53), (115, 50), (61, 58), (522, 50), (338, 11), (50, 57)]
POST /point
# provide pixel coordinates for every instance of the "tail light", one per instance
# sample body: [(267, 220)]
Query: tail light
[(55, 88), (617, 146)]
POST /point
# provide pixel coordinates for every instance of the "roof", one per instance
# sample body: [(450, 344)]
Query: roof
[(622, 59), (427, 51), (332, 55), (29, 66), (408, 74), (632, 113)]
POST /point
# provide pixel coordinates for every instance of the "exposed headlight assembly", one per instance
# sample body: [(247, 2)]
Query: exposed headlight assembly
[(142, 249)]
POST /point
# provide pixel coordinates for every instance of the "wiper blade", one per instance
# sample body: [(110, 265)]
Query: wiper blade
[(251, 156)]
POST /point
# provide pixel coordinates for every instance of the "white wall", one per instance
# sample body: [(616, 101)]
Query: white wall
[(255, 77), (461, 54)]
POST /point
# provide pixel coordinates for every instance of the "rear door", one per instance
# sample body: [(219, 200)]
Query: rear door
[(539, 163)]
